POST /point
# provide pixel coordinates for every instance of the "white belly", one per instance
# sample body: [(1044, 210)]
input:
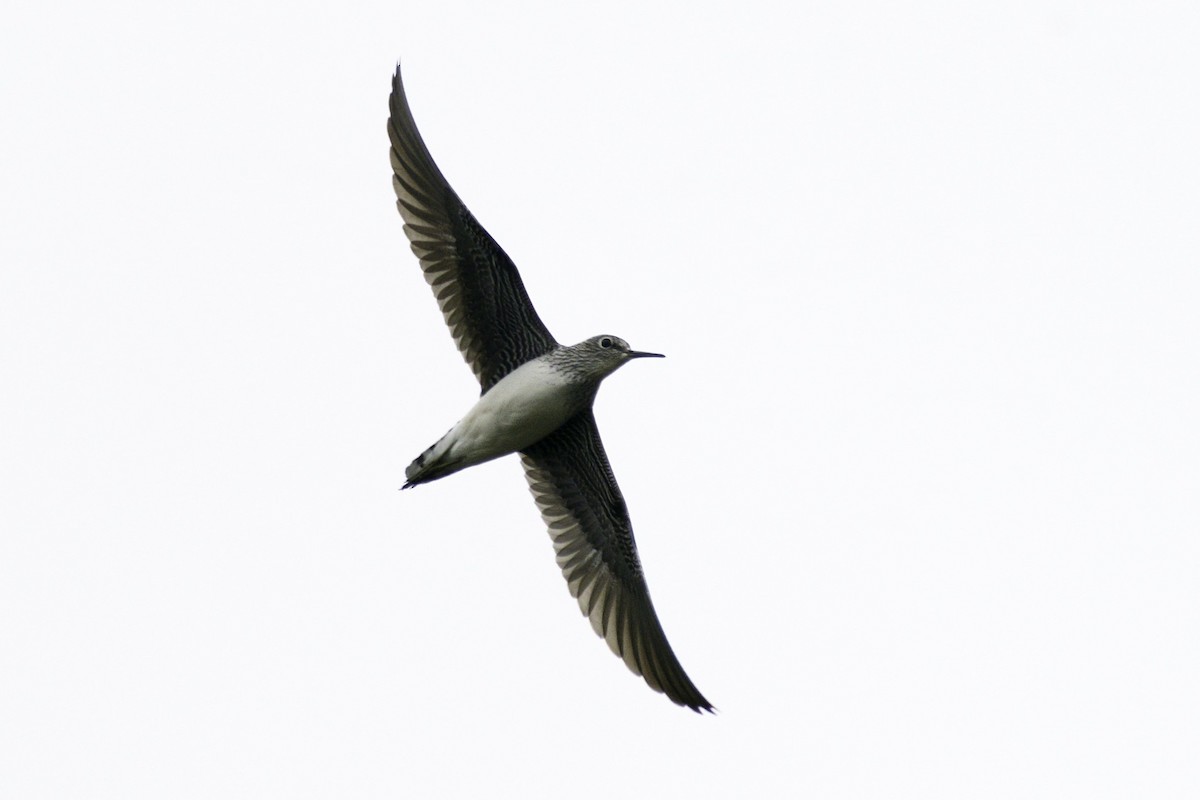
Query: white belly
[(527, 405)]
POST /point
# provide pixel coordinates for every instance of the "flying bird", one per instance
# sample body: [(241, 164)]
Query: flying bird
[(536, 400)]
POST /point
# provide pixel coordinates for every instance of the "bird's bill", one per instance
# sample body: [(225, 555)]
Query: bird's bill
[(640, 354)]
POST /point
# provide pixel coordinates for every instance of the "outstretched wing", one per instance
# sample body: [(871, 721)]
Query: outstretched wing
[(574, 487), (476, 285)]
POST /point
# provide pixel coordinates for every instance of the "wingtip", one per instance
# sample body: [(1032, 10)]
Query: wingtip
[(696, 703)]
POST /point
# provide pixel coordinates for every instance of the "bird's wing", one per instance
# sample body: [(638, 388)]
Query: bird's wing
[(574, 487), (476, 285)]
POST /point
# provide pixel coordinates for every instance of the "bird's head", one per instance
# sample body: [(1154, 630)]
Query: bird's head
[(600, 356)]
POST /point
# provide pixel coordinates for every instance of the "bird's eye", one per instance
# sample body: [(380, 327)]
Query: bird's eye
[(606, 342)]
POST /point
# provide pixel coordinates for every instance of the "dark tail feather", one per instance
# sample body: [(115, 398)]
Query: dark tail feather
[(414, 472), (419, 471), (418, 476)]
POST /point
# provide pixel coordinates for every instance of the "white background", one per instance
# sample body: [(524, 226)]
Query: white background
[(915, 489)]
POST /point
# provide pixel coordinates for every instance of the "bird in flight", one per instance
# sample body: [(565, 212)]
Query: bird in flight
[(536, 401)]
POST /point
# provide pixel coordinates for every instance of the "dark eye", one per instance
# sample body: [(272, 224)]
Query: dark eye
[(606, 342)]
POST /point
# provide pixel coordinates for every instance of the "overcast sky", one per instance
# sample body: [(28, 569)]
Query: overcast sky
[(915, 488)]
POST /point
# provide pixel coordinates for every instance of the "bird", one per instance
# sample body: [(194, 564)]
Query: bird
[(536, 400)]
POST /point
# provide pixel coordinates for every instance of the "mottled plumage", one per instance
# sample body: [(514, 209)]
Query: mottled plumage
[(536, 400)]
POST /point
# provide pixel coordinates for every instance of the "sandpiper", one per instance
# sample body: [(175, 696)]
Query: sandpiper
[(537, 401)]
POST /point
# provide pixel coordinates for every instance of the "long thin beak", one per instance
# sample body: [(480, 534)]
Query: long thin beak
[(640, 354)]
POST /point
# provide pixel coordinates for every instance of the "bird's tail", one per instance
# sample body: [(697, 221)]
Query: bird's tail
[(432, 464)]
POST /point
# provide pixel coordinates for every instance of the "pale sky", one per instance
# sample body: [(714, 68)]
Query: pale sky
[(915, 488)]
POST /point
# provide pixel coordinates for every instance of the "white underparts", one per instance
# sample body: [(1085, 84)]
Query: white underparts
[(527, 405)]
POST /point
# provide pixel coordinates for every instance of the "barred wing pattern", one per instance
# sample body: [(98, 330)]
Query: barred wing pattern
[(476, 284), (573, 484)]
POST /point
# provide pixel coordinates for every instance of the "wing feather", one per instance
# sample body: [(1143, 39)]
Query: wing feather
[(477, 286), (581, 504)]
